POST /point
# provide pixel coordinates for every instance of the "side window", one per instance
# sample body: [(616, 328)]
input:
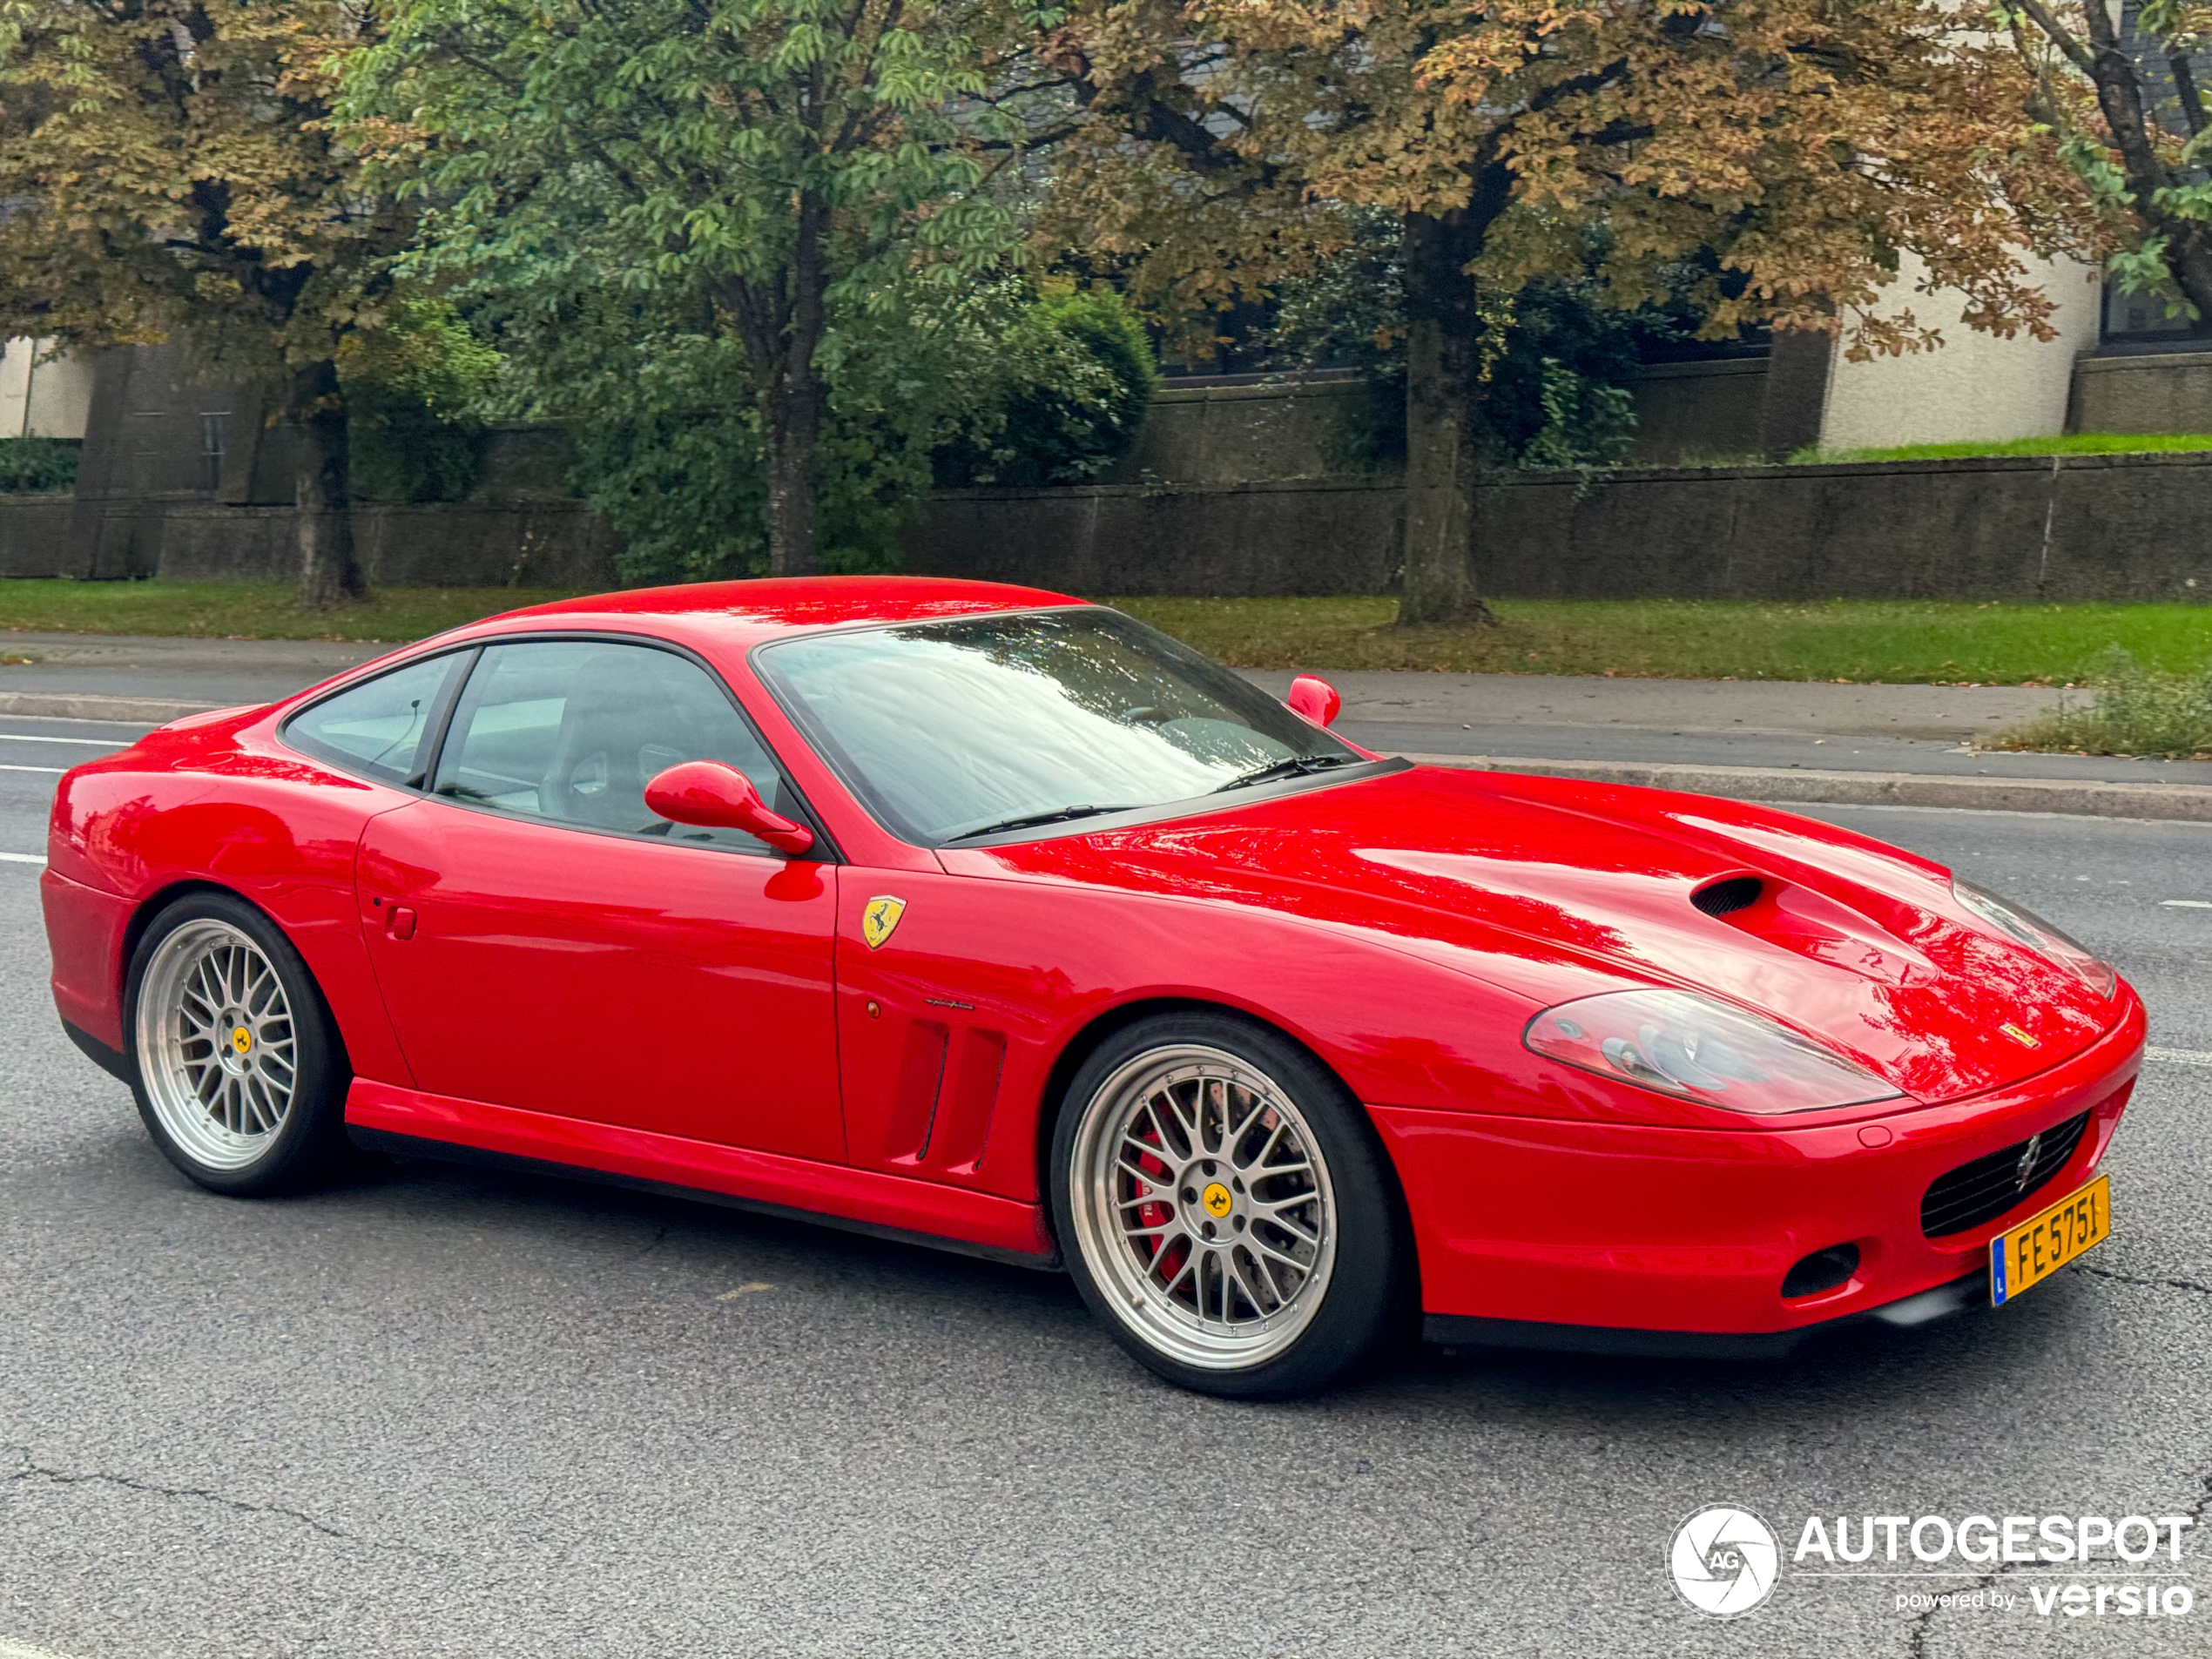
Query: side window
[(377, 726), (572, 733)]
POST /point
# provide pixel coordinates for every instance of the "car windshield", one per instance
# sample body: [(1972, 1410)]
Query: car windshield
[(951, 730)]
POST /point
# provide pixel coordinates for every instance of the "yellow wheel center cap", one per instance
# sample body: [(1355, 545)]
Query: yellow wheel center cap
[(241, 1040), (1216, 1200)]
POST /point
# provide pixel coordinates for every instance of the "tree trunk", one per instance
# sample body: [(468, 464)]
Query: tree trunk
[(1443, 438), (793, 422), (2121, 100), (322, 491)]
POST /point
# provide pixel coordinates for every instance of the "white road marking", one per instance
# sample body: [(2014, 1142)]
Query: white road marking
[(21, 857), (56, 771), (24, 1650), (2186, 904), (2179, 1056), (27, 736)]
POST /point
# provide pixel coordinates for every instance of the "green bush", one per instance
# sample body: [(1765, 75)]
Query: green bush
[(928, 380), (1064, 398), (1557, 359), (414, 390), (2133, 711), (38, 465)]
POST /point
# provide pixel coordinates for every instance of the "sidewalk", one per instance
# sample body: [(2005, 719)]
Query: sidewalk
[(1780, 741), (1755, 739)]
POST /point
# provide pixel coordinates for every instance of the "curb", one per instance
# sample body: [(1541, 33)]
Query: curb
[(71, 706), (2183, 803)]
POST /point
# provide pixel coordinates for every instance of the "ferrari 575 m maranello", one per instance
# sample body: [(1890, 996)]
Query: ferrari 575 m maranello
[(989, 918)]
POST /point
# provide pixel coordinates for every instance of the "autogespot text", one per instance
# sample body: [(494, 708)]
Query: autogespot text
[(2131, 1547)]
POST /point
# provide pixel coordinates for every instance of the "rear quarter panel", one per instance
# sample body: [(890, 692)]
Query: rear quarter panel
[(216, 804)]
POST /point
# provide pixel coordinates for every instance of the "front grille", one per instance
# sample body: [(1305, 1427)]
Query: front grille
[(1726, 898), (1985, 1188)]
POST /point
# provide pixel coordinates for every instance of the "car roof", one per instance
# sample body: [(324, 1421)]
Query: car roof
[(744, 613)]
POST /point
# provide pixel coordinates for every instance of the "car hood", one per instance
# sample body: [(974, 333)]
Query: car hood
[(1553, 888)]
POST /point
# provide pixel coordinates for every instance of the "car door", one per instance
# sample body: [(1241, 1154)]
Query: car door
[(543, 940)]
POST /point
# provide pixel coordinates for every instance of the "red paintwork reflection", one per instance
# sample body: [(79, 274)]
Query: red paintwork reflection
[(694, 1015), (1471, 870), (685, 990)]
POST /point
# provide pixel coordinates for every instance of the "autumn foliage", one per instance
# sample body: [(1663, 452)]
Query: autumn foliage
[(1795, 147)]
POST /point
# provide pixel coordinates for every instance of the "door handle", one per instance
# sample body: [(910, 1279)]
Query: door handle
[(399, 922)]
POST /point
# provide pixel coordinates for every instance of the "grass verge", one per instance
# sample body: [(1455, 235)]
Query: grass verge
[(1856, 640), (2074, 443), (2132, 711), (244, 611)]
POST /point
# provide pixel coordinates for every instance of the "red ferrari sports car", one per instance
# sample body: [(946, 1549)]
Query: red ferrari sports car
[(987, 917)]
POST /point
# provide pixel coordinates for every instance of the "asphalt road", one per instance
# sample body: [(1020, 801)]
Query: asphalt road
[(440, 1411)]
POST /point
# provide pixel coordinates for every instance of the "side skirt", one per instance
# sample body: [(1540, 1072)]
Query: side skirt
[(409, 1123), (1455, 1330), (114, 1062)]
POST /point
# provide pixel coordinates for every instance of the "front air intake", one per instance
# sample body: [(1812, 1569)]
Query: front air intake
[(1985, 1188), (1726, 898)]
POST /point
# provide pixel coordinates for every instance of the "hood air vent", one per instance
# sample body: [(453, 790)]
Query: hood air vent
[(1726, 898)]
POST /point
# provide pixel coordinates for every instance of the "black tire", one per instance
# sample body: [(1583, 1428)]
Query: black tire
[(1368, 1301), (309, 1144)]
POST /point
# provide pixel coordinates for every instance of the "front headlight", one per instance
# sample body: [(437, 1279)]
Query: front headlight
[(1680, 1043), (2038, 936)]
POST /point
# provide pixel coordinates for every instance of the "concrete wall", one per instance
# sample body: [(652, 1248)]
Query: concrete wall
[(42, 400), (556, 545), (1975, 387), (1329, 536), (1700, 412), (34, 534), (1201, 433), (2077, 527), (2144, 392), (2088, 527)]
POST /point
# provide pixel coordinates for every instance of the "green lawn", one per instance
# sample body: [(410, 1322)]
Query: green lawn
[(1702, 639), (238, 610), (2076, 443)]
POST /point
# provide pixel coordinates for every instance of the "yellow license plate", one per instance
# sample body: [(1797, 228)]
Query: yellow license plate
[(2023, 1256)]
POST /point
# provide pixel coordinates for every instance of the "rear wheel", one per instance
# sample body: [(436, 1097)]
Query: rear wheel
[(237, 1066), (1227, 1210)]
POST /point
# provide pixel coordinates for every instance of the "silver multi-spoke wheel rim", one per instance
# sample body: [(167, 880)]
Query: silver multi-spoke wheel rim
[(217, 1047), (1202, 1207)]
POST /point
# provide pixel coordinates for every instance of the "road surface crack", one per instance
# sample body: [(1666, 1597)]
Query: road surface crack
[(29, 1468), (1917, 1627), (2149, 1284)]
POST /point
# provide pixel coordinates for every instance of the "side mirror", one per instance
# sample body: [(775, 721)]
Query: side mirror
[(716, 796), (1315, 699)]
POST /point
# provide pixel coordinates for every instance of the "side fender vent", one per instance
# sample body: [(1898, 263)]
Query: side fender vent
[(1725, 897)]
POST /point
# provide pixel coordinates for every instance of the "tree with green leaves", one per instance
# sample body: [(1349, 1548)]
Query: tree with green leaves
[(169, 169), (2121, 92), (750, 175), (1803, 145)]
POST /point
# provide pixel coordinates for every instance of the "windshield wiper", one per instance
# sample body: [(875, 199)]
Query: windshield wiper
[(1032, 820), (1295, 766)]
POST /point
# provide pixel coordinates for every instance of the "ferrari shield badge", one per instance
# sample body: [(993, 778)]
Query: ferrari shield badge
[(880, 918)]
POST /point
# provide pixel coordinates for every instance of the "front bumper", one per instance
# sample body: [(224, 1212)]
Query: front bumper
[(1548, 1232)]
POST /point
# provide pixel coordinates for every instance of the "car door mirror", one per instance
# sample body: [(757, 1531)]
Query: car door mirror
[(714, 796), (1315, 699)]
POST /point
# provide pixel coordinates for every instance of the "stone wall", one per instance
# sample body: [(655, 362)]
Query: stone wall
[(1322, 535), (34, 533), (468, 544), (2086, 526), (2144, 392)]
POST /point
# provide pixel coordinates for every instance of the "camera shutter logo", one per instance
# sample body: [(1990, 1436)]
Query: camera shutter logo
[(1724, 1560)]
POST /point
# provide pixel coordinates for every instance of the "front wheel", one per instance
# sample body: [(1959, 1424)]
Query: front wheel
[(1231, 1215), (238, 1068)]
